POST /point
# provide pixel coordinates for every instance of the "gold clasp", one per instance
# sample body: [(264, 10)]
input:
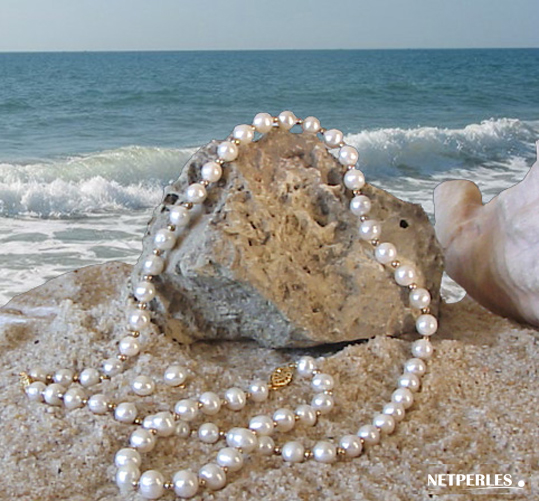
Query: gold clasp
[(281, 377)]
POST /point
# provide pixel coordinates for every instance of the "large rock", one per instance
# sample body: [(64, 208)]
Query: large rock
[(476, 411), (274, 254)]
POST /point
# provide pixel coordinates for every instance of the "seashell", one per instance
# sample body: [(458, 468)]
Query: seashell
[(492, 249)]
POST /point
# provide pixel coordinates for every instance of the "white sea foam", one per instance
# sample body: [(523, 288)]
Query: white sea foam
[(126, 178)]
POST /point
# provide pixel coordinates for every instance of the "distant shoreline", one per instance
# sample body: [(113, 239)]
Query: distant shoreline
[(161, 51)]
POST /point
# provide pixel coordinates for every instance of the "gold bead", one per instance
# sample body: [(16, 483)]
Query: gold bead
[(396, 263), (375, 242), (111, 407), (157, 252), (308, 454), (363, 218), (171, 227), (356, 193), (138, 421), (189, 205), (277, 450), (121, 358), (412, 287), (425, 311)]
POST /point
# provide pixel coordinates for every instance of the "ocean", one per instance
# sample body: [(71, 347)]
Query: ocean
[(89, 140)]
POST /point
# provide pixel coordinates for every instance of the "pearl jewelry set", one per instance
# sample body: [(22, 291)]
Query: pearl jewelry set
[(74, 390)]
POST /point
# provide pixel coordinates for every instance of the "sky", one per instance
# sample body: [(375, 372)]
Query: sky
[(95, 25)]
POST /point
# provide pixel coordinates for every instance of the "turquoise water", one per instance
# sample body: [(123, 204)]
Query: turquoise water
[(88, 140)]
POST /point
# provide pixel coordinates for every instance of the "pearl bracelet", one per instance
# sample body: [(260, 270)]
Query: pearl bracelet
[(71, 390)]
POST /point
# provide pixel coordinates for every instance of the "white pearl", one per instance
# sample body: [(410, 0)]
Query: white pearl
[(127, 476), (410, 381), (112, 366), (243, 133), (415, 366), (89, 377), (187, 409), (185, 484), (322, 402), (369, 433), (175, 375), (306, 366), (148, 422), (235, 399), (63, 377), (211, 403), (422, 348), (370, 229), (287, 120), (324, 452), (38, 374), (164, 239), (227, 151), (213, 476), (179, 215), (354, 179), (196, 193), (98, 404), (182, 429), (153, 265), (385, 253), (405, 275), (404, 397), (426, 324), (284, 419), (127, 456), (262, 425), (230, 458), (211, 171), (241, 438), (263, 122), (144, 291), (352, 445), (126, 412), (142, 440), (360, 205), (306, 414), (384, 422), (312, 125), (333, 137), (164, 424), (395, 410), (35, 390), (152, 484), (129, 346), (419, 298), (259, 391), (53, 394), (348, 155), (293, 452), (266, 445), (143, 386), (138, 319), (208, 433), (322, 382)]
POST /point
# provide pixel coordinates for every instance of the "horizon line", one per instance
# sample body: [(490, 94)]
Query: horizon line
[(104, 51)]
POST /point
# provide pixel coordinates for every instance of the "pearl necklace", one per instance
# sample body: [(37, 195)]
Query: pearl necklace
[(71, 390)]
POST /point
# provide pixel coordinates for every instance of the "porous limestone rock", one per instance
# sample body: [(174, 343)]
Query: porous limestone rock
[(274, 253)]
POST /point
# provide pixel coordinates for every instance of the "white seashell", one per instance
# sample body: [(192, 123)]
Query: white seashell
[(492, 250)]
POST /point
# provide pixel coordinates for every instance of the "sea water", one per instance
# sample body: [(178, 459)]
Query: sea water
[(89, 140)]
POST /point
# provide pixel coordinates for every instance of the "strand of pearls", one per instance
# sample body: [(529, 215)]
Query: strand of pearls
[(65, 387)]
